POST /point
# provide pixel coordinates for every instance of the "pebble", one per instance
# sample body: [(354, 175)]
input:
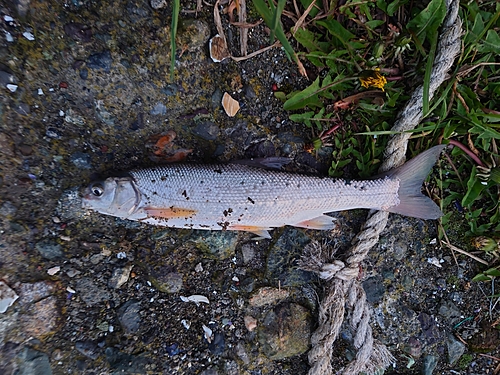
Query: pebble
[(285, 331), (26, 150), (449, 310), (90, 293), (400, 250), (172, 349), (6, 144), (221, 245), (159, 109), (81, 160), (100, 61), (217, 344), (33, 362), (120, 276), (430, 329), (158, 4), (78, 31), (207, 130), (7, 78), (217, 98), (374, 289), (129, 317), (170, 282), (267, 295), (88, 348), (52, 271), (84, 73), (429, 364), (49, 249), (7, 297), (242, 353), (53, 133), (455, 349), (413, 347), (281, 261), (40, 318), (250, 323)]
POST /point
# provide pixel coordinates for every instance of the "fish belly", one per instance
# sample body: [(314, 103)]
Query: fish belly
[(238, 197)]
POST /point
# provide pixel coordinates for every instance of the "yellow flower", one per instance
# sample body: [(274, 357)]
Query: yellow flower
[(372, 78)]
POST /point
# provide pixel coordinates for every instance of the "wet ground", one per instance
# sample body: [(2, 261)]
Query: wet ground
[(85, 91)]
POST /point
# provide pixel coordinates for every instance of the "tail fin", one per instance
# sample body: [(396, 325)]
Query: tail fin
[(411, 176)]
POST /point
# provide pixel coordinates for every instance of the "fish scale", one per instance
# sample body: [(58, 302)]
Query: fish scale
[(242, 197)]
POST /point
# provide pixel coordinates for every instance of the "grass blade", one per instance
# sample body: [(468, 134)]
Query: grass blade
[(176, 6)]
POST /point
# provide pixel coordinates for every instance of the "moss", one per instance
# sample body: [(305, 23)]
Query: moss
[(465, 361)]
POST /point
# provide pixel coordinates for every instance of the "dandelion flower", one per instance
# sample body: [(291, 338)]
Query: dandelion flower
[(372, 78)]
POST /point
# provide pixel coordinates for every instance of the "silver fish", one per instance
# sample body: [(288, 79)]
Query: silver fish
[(242, 197)]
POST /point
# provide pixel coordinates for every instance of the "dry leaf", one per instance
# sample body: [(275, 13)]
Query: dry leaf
[(218, 49), (230, 105)]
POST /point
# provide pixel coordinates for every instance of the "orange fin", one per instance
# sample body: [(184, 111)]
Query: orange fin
[(169, 212), (322, 222), (261, 232)]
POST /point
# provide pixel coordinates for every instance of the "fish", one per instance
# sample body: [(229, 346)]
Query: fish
[(247, 198)]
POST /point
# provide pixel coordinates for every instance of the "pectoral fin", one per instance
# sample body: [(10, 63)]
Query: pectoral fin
[(261, 232), (169, 212), (322, 222)]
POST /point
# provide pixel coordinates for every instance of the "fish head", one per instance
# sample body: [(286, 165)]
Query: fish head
[(114, 196)]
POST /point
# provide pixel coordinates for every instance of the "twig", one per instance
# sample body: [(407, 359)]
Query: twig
[(452, 247), (253, 54), (242, 17)]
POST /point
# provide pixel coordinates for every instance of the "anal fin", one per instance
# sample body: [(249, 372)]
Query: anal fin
[(261, 232), (323, 222)]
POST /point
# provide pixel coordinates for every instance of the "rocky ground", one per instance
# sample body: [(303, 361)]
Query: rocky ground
[(85, 90)]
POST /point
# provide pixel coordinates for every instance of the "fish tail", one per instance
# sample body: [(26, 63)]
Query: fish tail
[(411, 175)]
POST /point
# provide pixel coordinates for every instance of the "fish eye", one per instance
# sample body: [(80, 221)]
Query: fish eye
[(97, 189)]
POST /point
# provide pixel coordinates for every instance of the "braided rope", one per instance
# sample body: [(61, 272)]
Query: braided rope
[(342, 288)]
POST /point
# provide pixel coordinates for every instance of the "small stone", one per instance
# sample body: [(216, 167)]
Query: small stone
[(40, 317), (90, 293), (81, 160), (449, 310), (100, 61), (52, 271), (429, 365), (455, 349), (88, 348), (170, 282), (207, 130), (7, 78), (29, 35), (49, 249), (267, 295), (217, 344), (26, 150), (6, 144), (33, 362), (159, 109), (78, 31), (120, 276), (285, 331), (242, 353), (248, 253), (250, 323), (413, 347), (374, 289), (158, 4), (7, 297), (129, 317)]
